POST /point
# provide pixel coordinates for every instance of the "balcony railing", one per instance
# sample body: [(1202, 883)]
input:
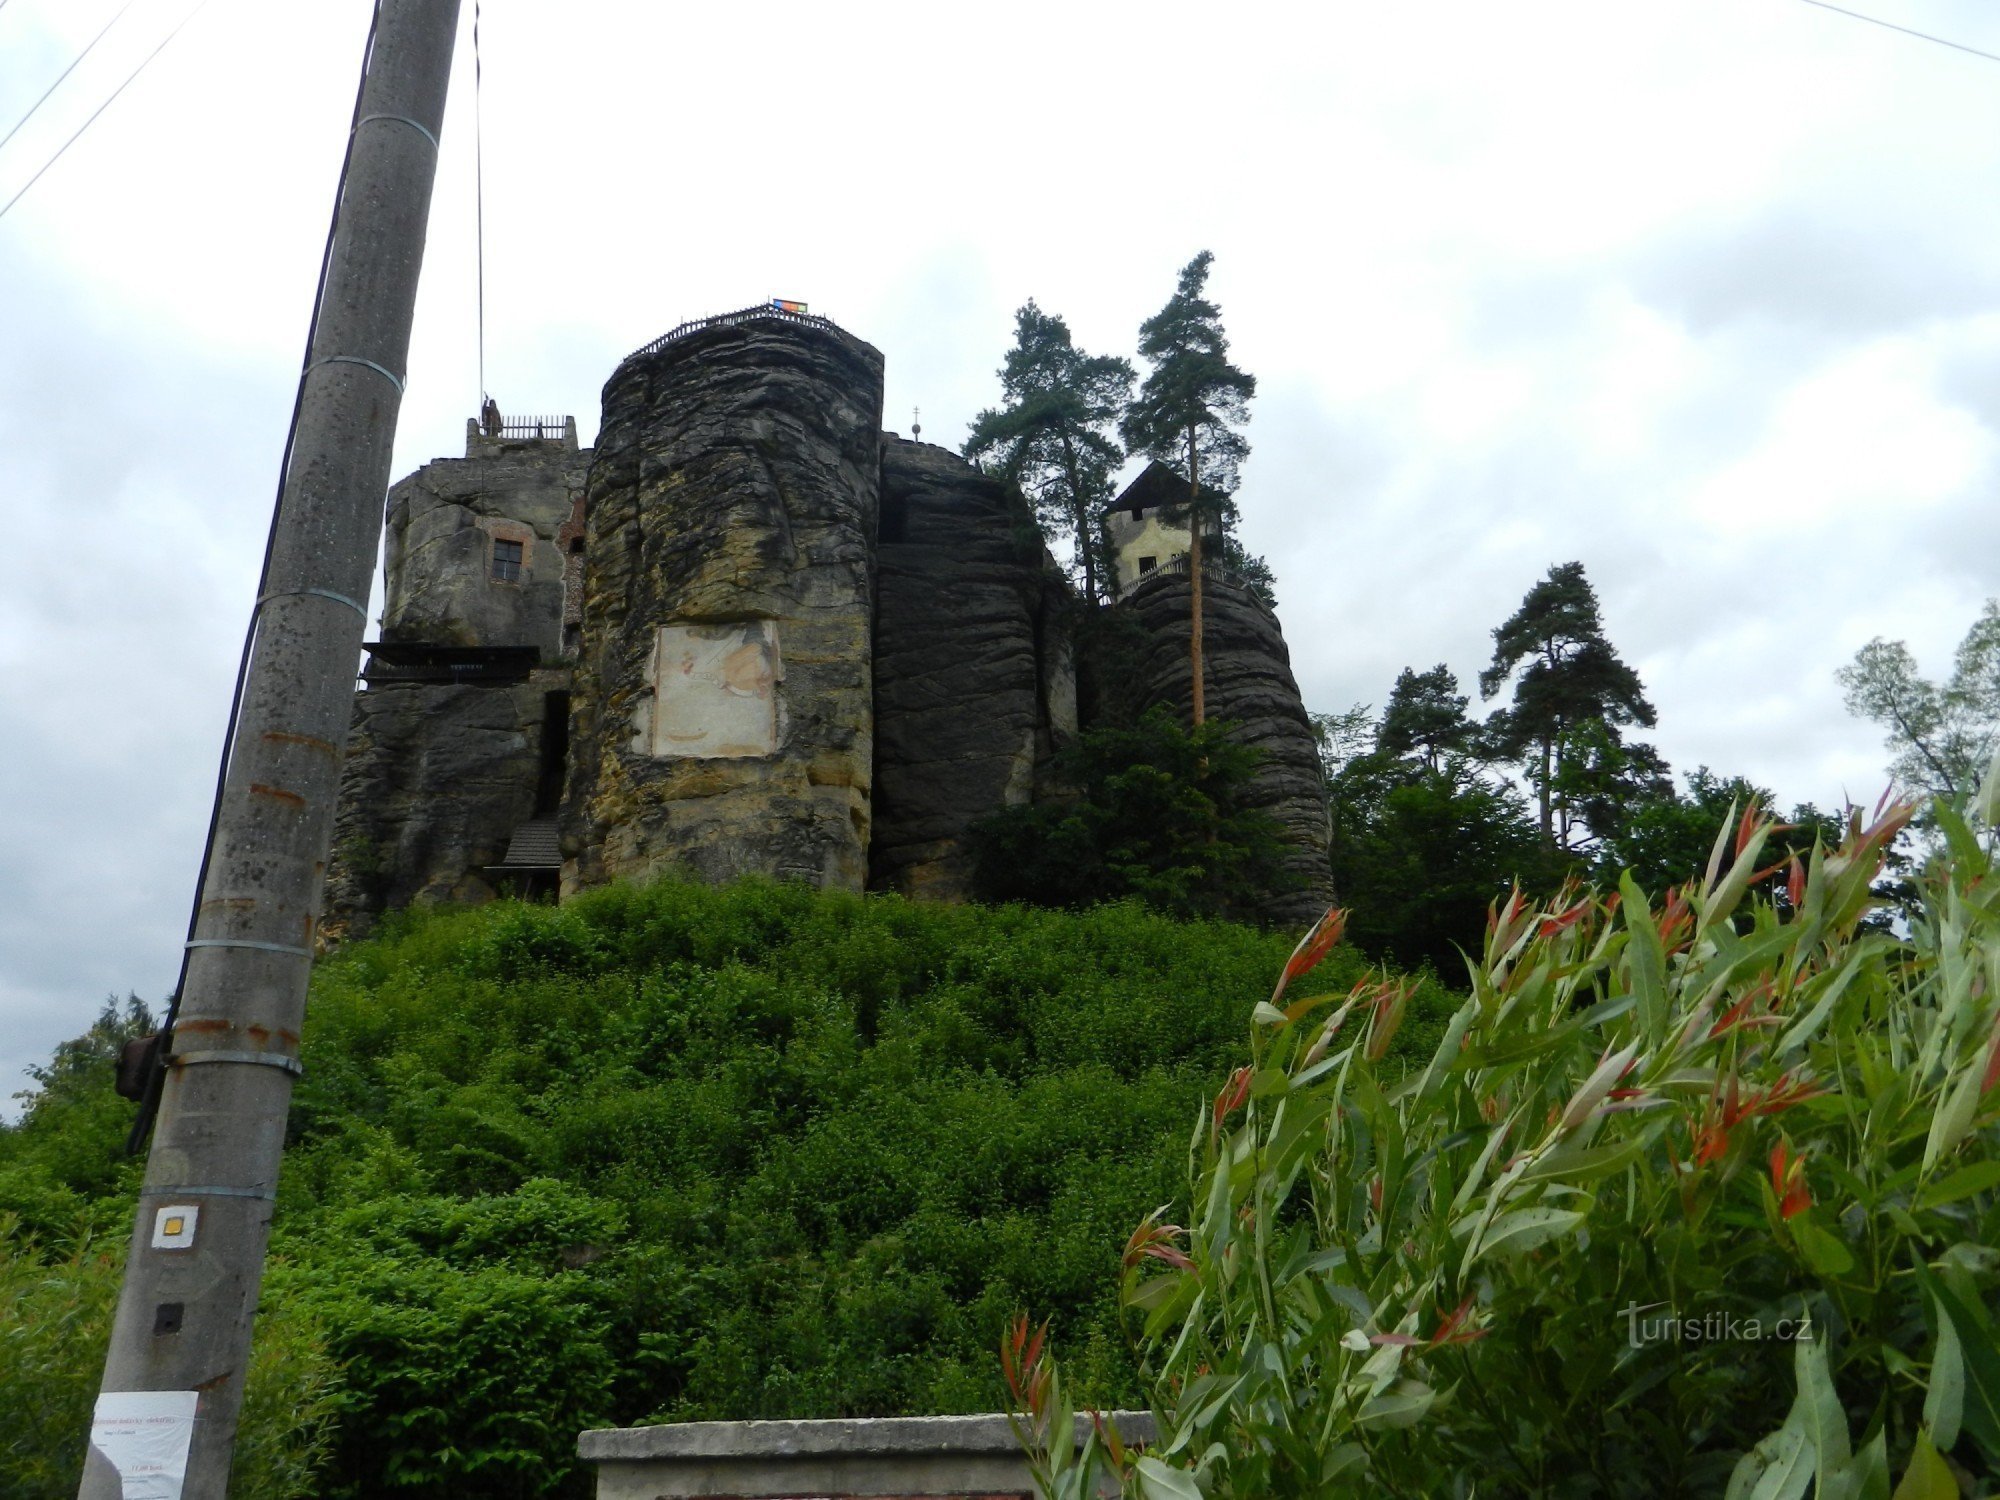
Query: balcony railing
[(1177, 567), (728, 319), (545, 429)]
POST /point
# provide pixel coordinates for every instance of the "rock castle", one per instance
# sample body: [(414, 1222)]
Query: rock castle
[(750, 632)]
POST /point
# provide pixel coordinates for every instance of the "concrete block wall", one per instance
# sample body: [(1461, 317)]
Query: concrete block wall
[(886, 1458)]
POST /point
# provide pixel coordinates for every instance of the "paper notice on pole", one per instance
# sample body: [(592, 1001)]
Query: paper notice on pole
[(144, 1435)]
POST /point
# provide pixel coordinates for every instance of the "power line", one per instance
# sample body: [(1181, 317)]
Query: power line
[(1892, 26), (199, 7), (4, 139), (479, 204)]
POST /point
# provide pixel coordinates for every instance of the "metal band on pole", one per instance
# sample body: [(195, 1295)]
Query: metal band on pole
[(187, 1190), (277, 1060), (355, 359), (415, 125), (288, 948), (359, 609)]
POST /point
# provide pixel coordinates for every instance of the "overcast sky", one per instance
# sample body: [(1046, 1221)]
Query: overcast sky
[(1702, 295)]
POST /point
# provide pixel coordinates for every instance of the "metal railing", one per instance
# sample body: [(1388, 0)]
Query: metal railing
[(545, 429), (1177, 567), (728, 319)]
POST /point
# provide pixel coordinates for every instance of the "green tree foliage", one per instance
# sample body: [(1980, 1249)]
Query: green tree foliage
[(1159, 814), (1425, 717), (672, 1153), (1428, 856), (1694, 1197), (70, 1115), (1941, 735), (1426, 837), (1053, 435), (1193, 402), (1572, 695), (1666, 839), (1602, 778), (1424, 840), (1188, 415), (1254, 572)]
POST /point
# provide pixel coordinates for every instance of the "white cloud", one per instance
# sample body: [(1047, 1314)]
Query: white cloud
[(1698, 296)]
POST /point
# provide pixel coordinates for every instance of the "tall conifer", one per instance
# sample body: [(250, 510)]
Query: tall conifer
[(1053, 436), (1186, 415), (1570, 699)]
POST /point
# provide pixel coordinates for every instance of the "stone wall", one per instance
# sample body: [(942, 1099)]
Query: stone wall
[(1249, 681), (724, 697), (973, 683), (442, 524), (892, 1458)]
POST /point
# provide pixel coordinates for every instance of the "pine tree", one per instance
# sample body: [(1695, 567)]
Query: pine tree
[(1425, 716), (1424, 838), (1570, 699), (1186, 416), (1053, 436)]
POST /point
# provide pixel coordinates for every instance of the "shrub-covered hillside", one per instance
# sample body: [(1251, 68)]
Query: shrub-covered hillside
[(676, 1153)]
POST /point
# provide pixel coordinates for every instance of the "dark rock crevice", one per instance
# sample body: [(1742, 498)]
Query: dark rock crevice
[(962, 668)]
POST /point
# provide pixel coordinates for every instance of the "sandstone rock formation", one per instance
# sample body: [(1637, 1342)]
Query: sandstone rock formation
[(750, 634), (725, 690), (973, 683), (438, 776), (445, 584), (446, 757), (1250, 683)]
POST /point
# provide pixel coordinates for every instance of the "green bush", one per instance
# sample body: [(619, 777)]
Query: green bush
[(680, 1152), (458, 1379), (1695, 1196), (55, 1321), (1158, 815)]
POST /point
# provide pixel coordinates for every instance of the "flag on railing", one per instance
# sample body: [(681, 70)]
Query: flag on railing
[(783, 306)]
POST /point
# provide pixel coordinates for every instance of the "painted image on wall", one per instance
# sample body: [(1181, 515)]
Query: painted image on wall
[(715, 689)]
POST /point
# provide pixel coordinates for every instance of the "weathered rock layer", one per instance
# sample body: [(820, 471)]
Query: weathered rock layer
[(785, 643), (437, 777), (973, 686), (441, 529), (725, 687), (1248, 682)]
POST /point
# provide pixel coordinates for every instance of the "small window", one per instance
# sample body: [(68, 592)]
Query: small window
[(506, 561), (1147, 564), (1138, 512), (575, 545)]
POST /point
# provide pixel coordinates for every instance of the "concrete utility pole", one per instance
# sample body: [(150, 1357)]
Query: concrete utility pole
[(173, 1380)]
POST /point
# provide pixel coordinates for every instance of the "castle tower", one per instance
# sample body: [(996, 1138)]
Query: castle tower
[(1141, 537), (456, 760), (476, 548), (725, 717)]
